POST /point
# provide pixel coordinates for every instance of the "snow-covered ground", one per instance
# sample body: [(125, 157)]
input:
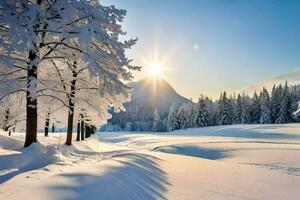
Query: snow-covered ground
[(230, 162)]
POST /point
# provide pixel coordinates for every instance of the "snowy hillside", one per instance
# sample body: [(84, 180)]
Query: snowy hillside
[(292, 79), (155, 92), (148, 94), (223, 162)]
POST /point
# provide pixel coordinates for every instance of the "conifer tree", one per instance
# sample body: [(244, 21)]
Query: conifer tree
[(189, 110), (212, 111), (276, 102), (255, 110), (224, 110), (284, 115), (182, 117), (157, 123), (238, 109), (201, 115), (245, 116), (173, 123), (265, 107)]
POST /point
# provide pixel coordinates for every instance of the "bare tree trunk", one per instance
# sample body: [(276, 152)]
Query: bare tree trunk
[(53, 128), (47, 124), (87, 131), (82, 130), (78, 131), (6, 121), (70, 122), (9, 133), (71, 108), (31, 103)]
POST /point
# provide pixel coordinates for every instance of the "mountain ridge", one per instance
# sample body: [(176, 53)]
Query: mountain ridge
[(149, 94), (154, 91), (292, 78)]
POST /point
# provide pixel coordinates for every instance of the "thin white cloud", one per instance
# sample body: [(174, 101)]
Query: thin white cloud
[(196, 46)]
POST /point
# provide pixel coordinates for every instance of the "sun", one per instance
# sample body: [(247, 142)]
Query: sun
[(156, 64), (155, 69)]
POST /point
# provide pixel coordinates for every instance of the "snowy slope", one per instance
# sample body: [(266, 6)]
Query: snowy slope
[(156, 92), (228, 162), (148, 95), (292, 79)]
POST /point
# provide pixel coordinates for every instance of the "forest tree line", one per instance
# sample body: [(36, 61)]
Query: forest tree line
[(263, 107), (276, 107)]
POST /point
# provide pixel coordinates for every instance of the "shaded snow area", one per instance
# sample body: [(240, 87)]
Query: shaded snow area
[(229, 162)]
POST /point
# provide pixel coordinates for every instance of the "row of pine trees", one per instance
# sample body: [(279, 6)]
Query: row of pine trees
[(276, 107)]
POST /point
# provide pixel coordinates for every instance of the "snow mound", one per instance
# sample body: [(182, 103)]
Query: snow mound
[(16, 160)]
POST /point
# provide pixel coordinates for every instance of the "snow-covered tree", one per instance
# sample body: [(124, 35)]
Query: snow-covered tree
[(276, 102), (265, 107), (211, 110), (46, 31), (182, 117), (297, 112), (255, 110), (224, 110), (284, 115), (173, 123), (189, 114), (201, 114), (185, 115), (238, 109), (294, 91), (245, 117), (12, 111), (157, 123)]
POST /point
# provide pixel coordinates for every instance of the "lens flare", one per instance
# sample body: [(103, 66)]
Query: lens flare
[(155, 69)]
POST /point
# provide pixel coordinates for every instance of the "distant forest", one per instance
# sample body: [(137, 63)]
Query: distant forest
[(276, 107)]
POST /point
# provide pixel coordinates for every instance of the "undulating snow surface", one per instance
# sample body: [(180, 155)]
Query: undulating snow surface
[(229, 162)]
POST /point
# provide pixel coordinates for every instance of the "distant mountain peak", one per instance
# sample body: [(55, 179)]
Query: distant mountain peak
[(148, 95), (155, 92)]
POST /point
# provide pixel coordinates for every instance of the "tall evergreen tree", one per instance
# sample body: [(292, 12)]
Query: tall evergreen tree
[(238, 110), (284, 115), (173, 121), (201, 114), (211, 111), (157, 123), (182, 117), (189, 110), (276, 102), (255, 109), (245, 116), (265, 117), (224, 110)]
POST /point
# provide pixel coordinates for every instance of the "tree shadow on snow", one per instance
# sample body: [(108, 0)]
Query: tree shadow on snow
[(138, 177), (194, 151)]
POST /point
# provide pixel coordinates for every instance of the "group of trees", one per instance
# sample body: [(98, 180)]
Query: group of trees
[(10, 113), (262, 108), (191, 114), (59, 57)]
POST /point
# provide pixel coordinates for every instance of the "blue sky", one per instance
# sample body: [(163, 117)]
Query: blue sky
[(240, 41)]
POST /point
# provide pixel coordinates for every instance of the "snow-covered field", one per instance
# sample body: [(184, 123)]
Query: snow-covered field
[(230, 162)]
